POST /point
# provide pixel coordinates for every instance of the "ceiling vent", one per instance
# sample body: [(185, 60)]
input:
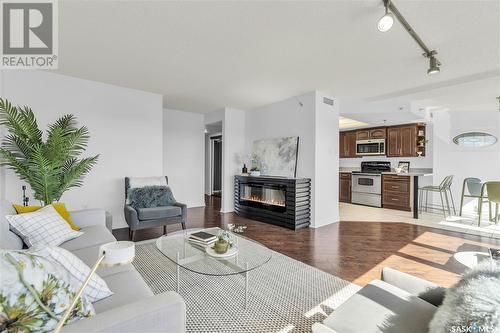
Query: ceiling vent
[(327, 101)]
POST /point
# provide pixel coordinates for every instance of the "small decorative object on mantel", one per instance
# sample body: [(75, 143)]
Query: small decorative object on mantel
[(403, 167), (244, 170), (255, 172)]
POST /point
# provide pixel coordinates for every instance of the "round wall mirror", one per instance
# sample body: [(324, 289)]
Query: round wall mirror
[(474, 140)]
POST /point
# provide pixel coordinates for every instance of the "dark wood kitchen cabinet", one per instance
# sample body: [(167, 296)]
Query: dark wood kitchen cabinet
[(396, 192), (347, 141), (345, 187), (371, 133), (402, 141)]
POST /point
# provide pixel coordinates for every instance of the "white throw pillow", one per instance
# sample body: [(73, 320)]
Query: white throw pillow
[(96, 289), (43, 227)]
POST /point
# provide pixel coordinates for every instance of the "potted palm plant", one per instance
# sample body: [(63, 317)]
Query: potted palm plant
[(51, 166)]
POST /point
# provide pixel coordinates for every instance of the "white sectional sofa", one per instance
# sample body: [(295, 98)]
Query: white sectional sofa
[(133, 307)]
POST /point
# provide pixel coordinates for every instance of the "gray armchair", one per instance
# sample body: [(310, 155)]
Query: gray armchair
[(143, 218)]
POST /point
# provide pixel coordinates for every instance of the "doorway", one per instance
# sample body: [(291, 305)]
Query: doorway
[(216, 165), (213, 159)]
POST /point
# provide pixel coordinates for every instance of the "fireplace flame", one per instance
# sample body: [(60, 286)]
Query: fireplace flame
[(273, 202)]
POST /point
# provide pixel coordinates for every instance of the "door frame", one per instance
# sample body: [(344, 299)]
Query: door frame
[(212, 138)]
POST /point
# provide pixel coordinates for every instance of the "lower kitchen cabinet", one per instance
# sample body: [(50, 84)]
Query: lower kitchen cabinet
[(396, 192), (345, 187)]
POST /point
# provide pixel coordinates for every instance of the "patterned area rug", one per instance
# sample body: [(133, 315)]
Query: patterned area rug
[(285, 295)]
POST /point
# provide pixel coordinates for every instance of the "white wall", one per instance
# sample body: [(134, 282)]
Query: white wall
[(450, 159), (183, 155), (326, 180), (286, 118), (316, 125), (125, 129), (233, 145)]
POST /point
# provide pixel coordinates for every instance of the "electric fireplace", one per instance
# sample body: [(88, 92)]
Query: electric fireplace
[(276, 200), (266, 196)]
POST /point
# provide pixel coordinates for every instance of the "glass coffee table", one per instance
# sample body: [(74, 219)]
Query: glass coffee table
[(250, 255)]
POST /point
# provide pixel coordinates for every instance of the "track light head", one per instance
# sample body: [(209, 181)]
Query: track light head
[(385, 22), (433, 64)]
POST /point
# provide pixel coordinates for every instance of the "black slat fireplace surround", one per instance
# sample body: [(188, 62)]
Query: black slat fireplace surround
[(276, 200)]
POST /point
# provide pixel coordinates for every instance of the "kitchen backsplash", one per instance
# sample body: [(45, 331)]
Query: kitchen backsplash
[(415, 162)]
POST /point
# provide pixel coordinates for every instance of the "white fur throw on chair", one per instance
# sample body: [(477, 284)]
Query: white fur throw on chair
[(135, 182)]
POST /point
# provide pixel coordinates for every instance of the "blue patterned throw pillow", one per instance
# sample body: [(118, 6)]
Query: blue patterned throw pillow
[(150, 196)]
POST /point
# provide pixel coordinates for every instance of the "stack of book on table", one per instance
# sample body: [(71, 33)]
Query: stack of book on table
[(202, 238)]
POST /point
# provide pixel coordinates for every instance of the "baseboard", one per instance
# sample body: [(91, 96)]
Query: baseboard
[(325, 222)]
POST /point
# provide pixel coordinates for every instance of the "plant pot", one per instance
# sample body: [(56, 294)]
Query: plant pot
[(255, 173), (221, 246)]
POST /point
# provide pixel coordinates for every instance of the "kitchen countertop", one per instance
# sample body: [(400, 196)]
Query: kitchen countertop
[(423, 172)]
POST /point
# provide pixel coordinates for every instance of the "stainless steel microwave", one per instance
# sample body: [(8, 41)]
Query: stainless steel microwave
[(370, 147)]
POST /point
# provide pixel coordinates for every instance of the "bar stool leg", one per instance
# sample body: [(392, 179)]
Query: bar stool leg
[(426, 201), (420, 194), (447, 202), (461, 204), (496, 213), (479, 211), (452, 202), (442, 203), (490, 213)]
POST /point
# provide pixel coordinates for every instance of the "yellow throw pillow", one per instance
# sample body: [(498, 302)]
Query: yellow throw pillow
[(26, 209), (59, 207)]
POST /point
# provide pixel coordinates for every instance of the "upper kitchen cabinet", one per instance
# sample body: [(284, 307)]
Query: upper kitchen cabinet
[(371, 133), (407, 140), (347, 141), (402, 141)]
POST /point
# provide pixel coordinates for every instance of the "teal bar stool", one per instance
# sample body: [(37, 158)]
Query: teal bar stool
[(444, 188), (490, 190), (473, 187)]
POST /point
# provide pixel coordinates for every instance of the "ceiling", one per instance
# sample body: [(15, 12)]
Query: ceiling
[(476, 94), (202, 56)]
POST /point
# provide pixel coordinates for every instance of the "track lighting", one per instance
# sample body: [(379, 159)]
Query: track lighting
[(386, 22), (433, 64)]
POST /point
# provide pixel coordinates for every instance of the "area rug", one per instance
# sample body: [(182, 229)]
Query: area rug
[(285, 295)]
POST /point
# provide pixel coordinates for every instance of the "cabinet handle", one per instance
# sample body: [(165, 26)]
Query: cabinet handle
[(395, 187), (394, 199)]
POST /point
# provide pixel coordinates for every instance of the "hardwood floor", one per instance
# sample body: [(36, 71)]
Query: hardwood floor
[(355, 251)]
